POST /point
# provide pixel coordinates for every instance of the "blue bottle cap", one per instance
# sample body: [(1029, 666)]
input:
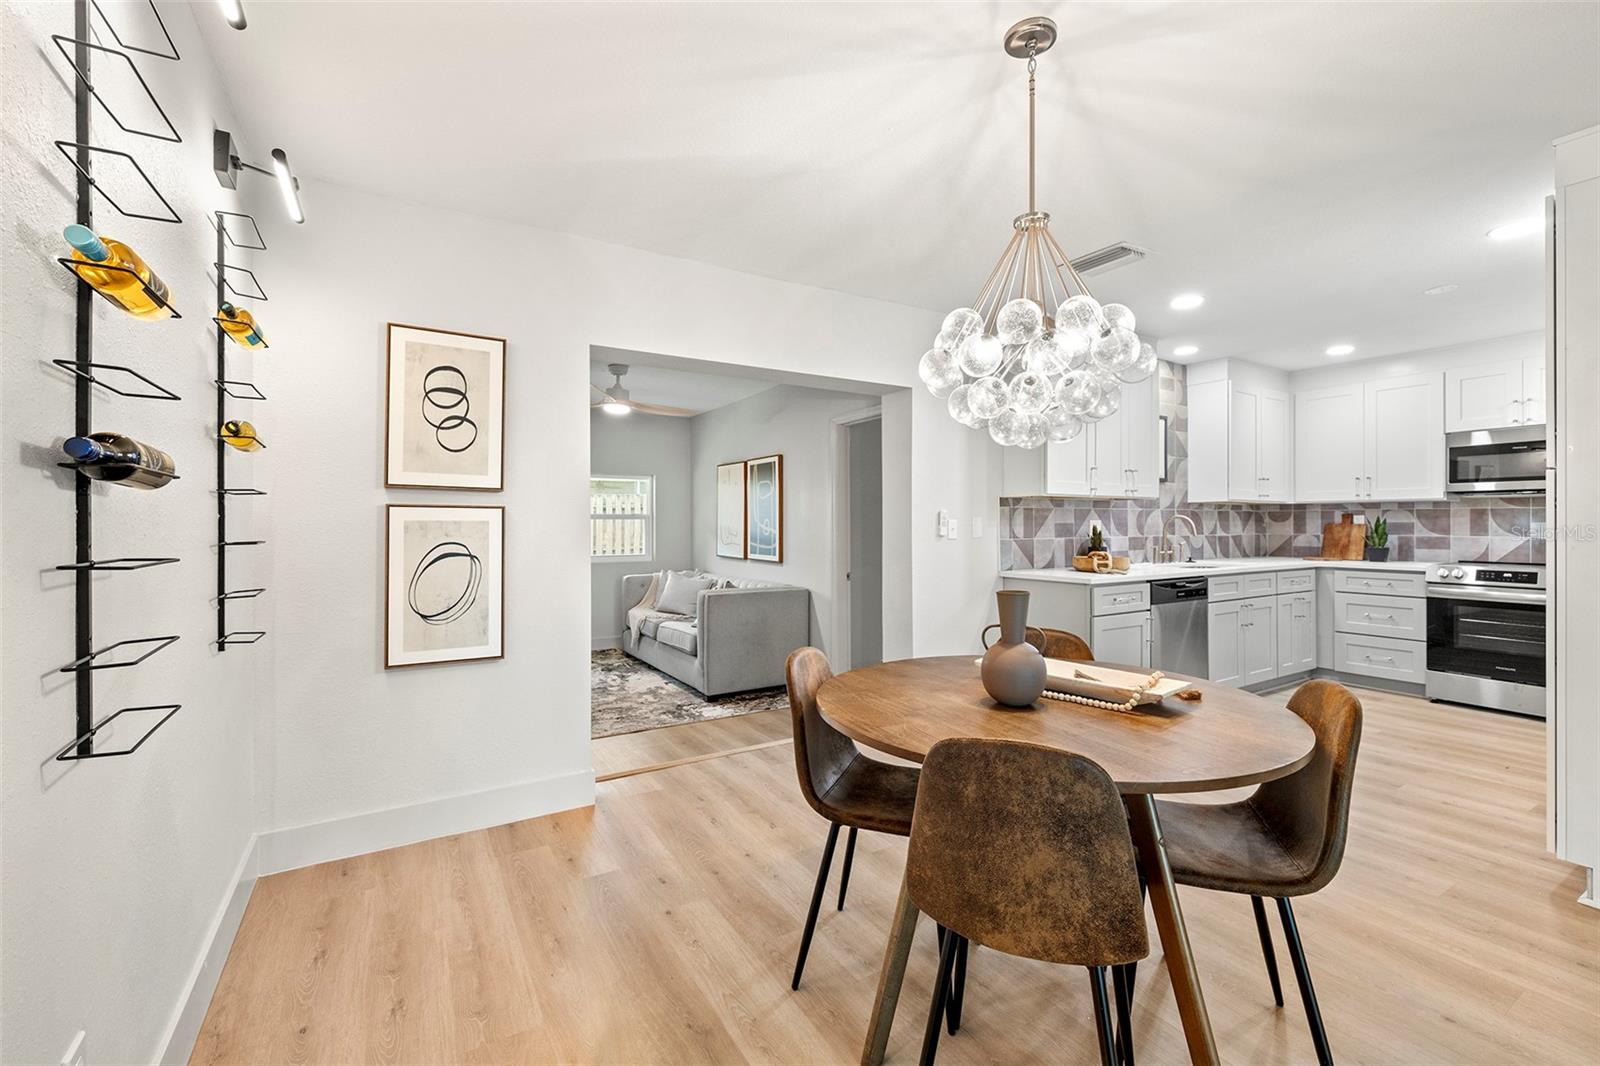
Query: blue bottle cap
[(81, 448), (84, 240)]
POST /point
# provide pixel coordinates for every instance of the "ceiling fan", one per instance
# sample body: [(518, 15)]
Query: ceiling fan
[(615, 401)]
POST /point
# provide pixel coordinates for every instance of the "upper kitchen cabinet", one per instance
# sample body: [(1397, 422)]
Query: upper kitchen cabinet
[(1240, 440), (1494, 395), (1374, 440), (1117, 457)]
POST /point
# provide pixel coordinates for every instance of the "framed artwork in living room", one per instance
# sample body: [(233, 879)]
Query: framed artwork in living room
[(444, 584), (730, 510), (445, 414), (764, 509)]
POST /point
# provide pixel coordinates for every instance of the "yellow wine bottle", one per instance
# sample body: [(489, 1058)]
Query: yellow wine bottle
[(141, 293), (241, 435), (240, 326)]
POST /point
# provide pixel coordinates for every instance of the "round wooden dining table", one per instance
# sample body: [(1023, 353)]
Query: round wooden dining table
[(1225, 739)]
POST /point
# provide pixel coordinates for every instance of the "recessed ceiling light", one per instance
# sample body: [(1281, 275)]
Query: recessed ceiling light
[(1186, 301), (1185, 349), (1440, 290), (1341, 349), (1522, 227)]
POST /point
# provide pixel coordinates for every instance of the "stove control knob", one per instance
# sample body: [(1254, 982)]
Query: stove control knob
[(1442, 573), (1458, 573)]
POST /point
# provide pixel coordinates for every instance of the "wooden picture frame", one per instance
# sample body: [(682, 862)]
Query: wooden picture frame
[(444, 598), (732, 498), (764, 509), (444, 410)]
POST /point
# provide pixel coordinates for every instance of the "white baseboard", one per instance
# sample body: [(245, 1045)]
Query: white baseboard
[(602, 643), (190, 1013), (342, 838)]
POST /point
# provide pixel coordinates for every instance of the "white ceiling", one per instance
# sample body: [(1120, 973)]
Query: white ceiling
[(676, 388), (1309, 167)]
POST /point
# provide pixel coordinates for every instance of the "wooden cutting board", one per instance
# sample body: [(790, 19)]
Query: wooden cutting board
[(1343, 539)]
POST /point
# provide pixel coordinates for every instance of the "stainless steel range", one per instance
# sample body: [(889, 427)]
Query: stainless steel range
[(1486, 628)]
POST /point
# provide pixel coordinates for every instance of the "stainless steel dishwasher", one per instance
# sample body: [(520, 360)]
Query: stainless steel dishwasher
[(1178, 626)]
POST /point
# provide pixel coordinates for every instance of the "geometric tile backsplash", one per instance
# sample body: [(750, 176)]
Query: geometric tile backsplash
[(1038, 532)]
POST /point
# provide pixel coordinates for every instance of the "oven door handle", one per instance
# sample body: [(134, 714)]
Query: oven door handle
[(1455, 592)]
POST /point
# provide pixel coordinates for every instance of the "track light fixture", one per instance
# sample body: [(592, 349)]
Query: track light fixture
[(227, 164)]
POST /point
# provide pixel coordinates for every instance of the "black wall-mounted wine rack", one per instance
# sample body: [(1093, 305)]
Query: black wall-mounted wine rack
[(88, 375)]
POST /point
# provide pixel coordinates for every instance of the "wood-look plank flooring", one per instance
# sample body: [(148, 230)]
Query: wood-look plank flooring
[(661, 926), (630, 753)]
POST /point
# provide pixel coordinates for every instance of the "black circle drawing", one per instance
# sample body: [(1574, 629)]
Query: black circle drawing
[(445, 399), (449, 549)]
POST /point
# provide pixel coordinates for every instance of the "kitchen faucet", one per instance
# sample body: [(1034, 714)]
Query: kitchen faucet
[(1169, 551)]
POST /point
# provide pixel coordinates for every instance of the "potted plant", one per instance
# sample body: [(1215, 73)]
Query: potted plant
[(1377, 541)]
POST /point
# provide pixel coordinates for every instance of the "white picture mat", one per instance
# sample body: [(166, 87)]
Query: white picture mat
[(413, 455), (730, 510), (409, 642)]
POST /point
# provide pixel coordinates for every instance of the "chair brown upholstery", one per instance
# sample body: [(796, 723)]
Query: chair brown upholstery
[(1052, 643), (841, 784), (1287, 839), (1025, 849)]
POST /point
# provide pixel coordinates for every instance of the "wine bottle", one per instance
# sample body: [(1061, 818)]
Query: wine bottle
[(131, 292), (241, 435), (114, 457), (240, 325)]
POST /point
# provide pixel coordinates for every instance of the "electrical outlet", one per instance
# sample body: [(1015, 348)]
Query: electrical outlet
[(76, 1055), (955, 528)]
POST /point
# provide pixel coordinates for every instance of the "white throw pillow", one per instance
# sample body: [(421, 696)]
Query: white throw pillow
[(682, 593)]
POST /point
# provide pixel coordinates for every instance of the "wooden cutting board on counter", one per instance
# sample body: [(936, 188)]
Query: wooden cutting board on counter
[(1343, 539)]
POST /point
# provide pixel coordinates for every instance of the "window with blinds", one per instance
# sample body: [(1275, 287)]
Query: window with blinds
[(621, 517)]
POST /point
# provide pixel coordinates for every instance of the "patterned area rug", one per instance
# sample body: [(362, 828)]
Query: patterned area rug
[(626, 696)]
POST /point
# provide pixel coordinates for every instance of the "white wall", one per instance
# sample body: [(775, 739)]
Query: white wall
[(347, 738), (796, 423), (115, 868), (1494, 350), (639, 444)]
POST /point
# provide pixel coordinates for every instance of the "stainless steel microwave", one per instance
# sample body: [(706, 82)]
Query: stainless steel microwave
[(1499, 461)]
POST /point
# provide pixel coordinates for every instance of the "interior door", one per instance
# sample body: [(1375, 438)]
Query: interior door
[(1483, 397), (1404, 419), (1272, 446), (865, 575), (1328, 444), (1224, 632), (1244, 417), (1141, 429)]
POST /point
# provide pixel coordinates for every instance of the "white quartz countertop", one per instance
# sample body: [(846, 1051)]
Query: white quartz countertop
[(1141, 572)]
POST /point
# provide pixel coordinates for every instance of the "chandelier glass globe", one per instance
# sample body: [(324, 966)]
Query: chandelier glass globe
[(1035, 357)]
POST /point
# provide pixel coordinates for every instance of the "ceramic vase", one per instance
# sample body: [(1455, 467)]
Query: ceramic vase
[(1013, 670)]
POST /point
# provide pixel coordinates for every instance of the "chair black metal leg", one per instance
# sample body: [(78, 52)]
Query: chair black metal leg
[(1102, 1016), (1122, 988), (1302, 974), (941, 997), (958, 986), (816, 902), (849, 857), (1265, 933)]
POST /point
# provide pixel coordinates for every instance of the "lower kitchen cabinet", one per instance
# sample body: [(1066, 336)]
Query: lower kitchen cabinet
[(1297, 633), (1121, 638), (1242, 640)]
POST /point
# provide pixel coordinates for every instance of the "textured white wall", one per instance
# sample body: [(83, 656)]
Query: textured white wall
[(797, 423), (115, 868), (641, 444)]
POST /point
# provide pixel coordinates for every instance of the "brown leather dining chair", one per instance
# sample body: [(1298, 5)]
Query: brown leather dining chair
[(841, 784), (1287, 839), (1025, 849), (1052, 643)]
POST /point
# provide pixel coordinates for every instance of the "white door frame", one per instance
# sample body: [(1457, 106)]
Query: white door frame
[(839, 655)]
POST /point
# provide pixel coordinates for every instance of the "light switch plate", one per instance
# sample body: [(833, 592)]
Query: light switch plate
[(955, 528)]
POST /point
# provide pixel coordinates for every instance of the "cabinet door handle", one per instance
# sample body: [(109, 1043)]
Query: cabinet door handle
[(1374, 659), (1516, 419), (1093, 471), (1369, 486), (1358, 486)]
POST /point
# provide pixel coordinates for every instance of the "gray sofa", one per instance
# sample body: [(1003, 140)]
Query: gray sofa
[(739, 639)]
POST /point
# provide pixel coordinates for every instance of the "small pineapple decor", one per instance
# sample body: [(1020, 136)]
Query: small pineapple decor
[(1377, 550)]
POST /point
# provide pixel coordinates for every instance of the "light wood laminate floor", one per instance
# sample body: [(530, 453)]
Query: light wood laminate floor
[(631, 753), (661, 926)]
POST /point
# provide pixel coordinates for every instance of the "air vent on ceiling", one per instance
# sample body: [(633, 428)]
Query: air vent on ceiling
[(1108, 258)]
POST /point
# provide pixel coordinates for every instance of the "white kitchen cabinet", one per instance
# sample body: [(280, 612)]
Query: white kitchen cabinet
[(1329, 456), (1297, 633), (1378, 440), (1121, 638), (1494, 395), (1239, 434), (1117, 457), (1242, 641)]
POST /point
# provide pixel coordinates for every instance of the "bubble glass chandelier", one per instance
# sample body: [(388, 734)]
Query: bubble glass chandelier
[(1036, 356)]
